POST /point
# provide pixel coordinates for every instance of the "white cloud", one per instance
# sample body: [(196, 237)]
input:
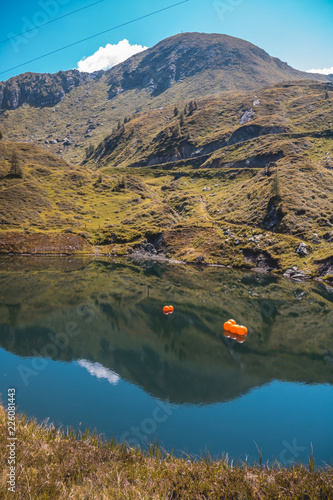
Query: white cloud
[(99, 371), (323, 71), (108, 56)]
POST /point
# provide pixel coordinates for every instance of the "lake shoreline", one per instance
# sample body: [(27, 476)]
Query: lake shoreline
[(91, 466), (77, 248)]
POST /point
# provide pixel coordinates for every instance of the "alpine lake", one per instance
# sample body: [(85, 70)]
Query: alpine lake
[(85, 344)]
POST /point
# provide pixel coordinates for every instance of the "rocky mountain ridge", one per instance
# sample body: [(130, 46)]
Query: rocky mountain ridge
[(41, 89), (231, 64)]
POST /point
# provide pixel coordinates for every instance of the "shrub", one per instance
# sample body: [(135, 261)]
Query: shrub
[(89, 150), (176, 131), (15, 168), (275, 186)]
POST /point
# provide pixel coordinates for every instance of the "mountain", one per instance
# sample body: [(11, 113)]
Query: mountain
[(68, 111), (212, 62)]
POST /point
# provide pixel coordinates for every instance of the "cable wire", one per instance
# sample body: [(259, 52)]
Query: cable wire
[(94, 36), (51, 21)]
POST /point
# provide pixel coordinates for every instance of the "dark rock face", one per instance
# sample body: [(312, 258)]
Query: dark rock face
[(248, 132), (326, 267), (41, 89), (261, 260), (274, 215)]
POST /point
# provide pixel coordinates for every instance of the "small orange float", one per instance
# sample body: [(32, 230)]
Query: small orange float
[(234, 328), (168, 309), (227, 325), (242, 330)]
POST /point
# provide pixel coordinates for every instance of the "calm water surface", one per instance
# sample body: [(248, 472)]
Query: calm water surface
[(85, 343)]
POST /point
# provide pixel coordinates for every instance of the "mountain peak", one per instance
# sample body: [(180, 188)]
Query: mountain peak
[(225, 62)]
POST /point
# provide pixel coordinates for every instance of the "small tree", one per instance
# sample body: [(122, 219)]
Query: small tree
[(275, 186), (181, 119), (1, 135), (326, 96), (89, 150), (175, 111), (176, 130), (118, 125), (15, 167), (190, 108)]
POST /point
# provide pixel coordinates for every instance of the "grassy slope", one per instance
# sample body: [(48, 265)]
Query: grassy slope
[(87, 468), (118, 205)]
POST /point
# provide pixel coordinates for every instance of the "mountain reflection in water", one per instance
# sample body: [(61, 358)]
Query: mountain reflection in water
[(107, 317)]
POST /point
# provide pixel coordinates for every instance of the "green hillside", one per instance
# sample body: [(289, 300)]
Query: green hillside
[(209, 190)]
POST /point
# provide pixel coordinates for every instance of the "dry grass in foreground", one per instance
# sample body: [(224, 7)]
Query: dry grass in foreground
[(51, 464)]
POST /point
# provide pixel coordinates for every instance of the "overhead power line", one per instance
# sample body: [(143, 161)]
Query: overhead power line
[(51, 21), (94, 36)]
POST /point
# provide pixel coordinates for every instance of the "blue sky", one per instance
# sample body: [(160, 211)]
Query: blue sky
[(296, 31)]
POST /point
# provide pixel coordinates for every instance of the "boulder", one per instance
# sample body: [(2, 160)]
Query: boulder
[(302, 249)]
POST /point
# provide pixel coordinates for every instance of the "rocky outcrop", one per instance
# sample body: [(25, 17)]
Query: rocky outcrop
[(260, 260), (274, 214), (326, 268), (41, 89), (302, 249)]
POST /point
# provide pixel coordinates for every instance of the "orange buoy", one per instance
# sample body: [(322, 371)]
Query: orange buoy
[(227, 325), (241, 330), (232, 321), (168, 309), (234, 328)]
